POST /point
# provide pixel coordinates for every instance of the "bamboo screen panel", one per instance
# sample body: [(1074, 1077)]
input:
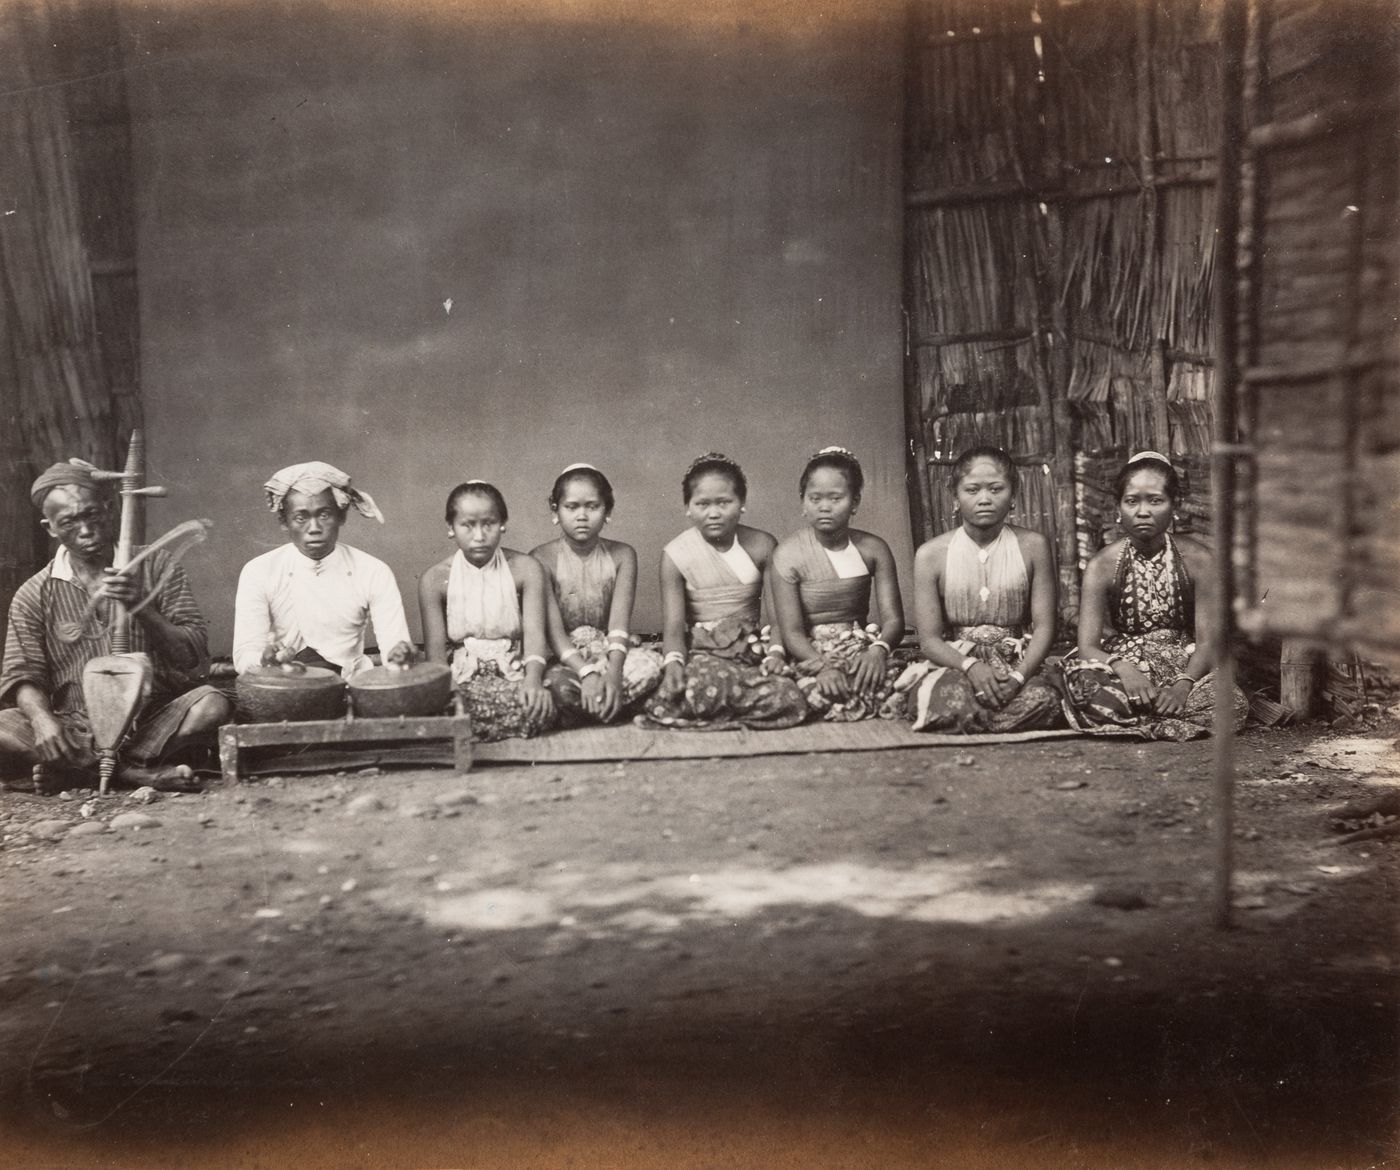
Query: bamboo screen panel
[(1320, 285), (1060, 216)]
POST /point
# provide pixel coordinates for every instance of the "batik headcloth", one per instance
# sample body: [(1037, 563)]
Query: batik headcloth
[(314, 478), (73, 472)]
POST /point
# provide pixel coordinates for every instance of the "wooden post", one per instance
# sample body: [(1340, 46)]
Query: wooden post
[(1300, 677), (1225, 450)]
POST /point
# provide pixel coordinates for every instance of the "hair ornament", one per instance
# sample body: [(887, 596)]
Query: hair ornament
[(710, 457), (579, 467), (1157, 455), (835, 449)]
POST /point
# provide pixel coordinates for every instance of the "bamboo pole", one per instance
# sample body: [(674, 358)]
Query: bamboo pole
[(1053, 320), (1223, 452), (1148, 148), (921, 505)]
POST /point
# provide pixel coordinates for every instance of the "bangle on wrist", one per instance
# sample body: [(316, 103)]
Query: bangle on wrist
[(778, 650), (529, 658), (620, 647), (967, 664), (1182, 677), (588, 668), (570, 658), (619, 635), (673, 656), (1019, 677), (882, 644)]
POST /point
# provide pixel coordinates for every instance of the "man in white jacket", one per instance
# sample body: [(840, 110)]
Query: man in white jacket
[(312, 600)]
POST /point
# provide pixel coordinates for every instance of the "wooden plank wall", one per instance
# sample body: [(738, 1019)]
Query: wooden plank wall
[(1319, 345)]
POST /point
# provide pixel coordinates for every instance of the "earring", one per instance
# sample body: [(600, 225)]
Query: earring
[(607, 519), (554, 520)]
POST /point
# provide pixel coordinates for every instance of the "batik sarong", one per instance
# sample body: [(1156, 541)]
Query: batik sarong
[(725, 687), (840, 646), (941, 699)]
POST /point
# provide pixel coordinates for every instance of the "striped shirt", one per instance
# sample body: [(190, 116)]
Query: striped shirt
[(34, 653)]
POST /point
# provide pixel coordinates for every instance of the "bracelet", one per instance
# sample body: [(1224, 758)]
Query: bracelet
[(620, 647), (1182, 677), (778, 650), (620, 635), (880, 642), (571, 657), (587, 669), (968, 663), (529, 658), (673, 656), (1112, 658)]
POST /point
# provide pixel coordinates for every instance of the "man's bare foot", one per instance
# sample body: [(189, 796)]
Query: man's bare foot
[(165, 778)]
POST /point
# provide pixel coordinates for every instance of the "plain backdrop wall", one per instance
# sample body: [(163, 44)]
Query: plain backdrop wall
[(660, 232)]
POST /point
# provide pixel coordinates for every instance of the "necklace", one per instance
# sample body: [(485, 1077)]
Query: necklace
[(984, 554)]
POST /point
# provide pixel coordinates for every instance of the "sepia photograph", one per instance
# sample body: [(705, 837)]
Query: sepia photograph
[(715, 585)]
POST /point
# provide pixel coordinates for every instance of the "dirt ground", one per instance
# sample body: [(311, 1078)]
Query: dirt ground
[(999, 957)]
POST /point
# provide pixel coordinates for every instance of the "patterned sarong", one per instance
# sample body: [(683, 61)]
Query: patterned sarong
[(940, 698), (724, 687)]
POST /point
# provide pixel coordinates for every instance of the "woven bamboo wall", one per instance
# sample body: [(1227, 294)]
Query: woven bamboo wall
[(1059, 247), (69, 349), (1320, 292)]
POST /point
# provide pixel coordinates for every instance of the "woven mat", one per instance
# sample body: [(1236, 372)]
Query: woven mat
[(636, 743)]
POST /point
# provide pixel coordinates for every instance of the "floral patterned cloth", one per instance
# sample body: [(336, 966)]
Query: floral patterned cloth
[(1095, 700), (840, 645), (496, 705), (724, 687), (641, 671), (941, 699)]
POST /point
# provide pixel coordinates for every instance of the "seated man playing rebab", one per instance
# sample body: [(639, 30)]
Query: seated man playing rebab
[(43, 720)]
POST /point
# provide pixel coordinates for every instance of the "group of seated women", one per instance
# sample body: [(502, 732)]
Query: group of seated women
[(540, 639)]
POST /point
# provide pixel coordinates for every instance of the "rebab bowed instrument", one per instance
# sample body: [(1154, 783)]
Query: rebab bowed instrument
[(116, 684)]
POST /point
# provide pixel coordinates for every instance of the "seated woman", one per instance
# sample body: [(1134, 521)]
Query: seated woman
[(978, 590), (1151, 676), (718, 673), (600, 675), (822, 580), (479, 606)]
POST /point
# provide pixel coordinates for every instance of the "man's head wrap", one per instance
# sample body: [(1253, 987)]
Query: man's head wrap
[(312, 479), (72, 473)]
